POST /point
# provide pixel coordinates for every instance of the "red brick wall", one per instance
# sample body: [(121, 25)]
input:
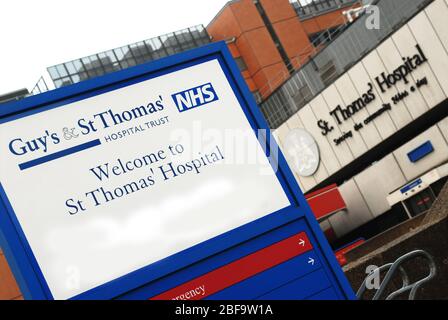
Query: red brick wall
[(288, 27), (253, 43), (265, 67), (8, 286)]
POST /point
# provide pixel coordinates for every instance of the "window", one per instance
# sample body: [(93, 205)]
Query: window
[(127, 56), (53, 73), (61, 70)]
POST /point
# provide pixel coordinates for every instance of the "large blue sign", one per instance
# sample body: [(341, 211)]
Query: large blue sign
[(161, 181)]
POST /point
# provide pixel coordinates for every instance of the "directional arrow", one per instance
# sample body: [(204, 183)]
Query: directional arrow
[(302, 242), (311, 261)]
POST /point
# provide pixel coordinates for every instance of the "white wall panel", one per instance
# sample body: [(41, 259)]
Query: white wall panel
[(280, 134), (437, 56), (357, 214), (437, 13), (392, 59), (376, 182), (294, 122), (299, 182), (384, 124), (329, 152), (443, 126), (399, 113), (437, 157), (276, 137), (343, 154), (333, 99), (432, 93), (350, 94)]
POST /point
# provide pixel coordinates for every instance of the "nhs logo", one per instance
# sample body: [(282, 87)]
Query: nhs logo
[(194, 97)]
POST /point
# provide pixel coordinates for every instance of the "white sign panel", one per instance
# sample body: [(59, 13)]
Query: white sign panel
[(112, 183)]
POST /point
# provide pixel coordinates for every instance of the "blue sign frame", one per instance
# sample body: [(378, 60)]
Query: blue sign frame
[(19, 253)]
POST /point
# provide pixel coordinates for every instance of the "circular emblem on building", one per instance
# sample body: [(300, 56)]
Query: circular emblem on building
[(302, 152)]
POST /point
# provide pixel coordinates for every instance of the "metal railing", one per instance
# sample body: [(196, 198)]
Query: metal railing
[(392, 269), (310, 8), (40, 86)]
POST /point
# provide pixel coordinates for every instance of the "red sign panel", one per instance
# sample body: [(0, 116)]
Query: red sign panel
[(239, 270)]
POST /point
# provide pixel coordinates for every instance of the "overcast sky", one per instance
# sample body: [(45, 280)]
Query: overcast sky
[(36, 34)]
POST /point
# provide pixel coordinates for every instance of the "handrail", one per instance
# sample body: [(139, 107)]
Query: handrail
[(391, 273), (404, 277)]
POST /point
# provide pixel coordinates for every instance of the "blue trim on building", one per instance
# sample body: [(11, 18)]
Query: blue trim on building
[(411, 186), (420, 152)]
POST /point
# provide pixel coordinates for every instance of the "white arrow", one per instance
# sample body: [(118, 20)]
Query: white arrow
[(311, 261), (302, 242)]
